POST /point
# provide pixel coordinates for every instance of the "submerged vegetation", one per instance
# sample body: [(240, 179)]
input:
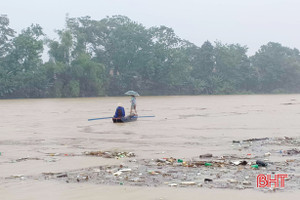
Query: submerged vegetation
[(115, 54)]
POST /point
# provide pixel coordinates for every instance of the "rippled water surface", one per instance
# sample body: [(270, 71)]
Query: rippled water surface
[(183, 126)]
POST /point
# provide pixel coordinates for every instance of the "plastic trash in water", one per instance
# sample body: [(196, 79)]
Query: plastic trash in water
[(261, 163), (232, 181), (254, 166), (188, 183), (208, 164), (208, 155), (125, 170), (118, 173), (267, 154), (180, 160)]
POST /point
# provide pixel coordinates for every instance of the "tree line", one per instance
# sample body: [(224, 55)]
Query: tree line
[(115, 54)]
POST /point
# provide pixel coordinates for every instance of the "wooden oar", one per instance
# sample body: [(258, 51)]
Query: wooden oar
[(111, 117), (143, 116), (99, 118)]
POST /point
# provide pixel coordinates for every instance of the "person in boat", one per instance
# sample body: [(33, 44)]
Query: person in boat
[(120, 111), (133, 105)]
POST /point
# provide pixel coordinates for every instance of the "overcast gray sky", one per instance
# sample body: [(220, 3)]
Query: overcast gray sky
[(248, 22)]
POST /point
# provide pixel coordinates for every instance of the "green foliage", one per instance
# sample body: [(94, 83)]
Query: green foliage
[(22, 76), (7, 82), (90, 76), (115, 54), (203, 61), (278, 68), (232, 67), (61, 52), (6, 34)]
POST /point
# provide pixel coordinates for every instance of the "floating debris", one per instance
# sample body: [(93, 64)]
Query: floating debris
[(208, 155), (188, 183), (256, 139), (239, 162), (254, 166), (261, 163), (292, 152), (234, 171), (109, 154), (246, 183), (267, 154), (232, 181), (62, 175), (173, 185), (26, 158)]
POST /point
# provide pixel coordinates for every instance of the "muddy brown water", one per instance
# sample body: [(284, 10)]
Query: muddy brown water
[(183, 127)]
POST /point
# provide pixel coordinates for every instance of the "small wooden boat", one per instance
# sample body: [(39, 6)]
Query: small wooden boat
[(129, 118)]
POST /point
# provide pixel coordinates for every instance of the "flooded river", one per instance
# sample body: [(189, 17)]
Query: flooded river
[(183, 127)]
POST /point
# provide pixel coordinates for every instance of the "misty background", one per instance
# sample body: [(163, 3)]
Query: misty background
[(247, 22), (100, 48)]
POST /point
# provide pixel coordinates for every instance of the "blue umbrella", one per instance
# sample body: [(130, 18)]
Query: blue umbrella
[(131, 92)]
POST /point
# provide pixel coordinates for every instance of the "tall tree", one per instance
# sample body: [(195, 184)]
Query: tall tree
[(61, 51), (204, 61), (203, 64), (124, 50), (23, 63), (6, 33), (89, 75), (278, 68), (232, 68)]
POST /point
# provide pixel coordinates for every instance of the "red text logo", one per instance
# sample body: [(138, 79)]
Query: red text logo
[(263, 180)]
